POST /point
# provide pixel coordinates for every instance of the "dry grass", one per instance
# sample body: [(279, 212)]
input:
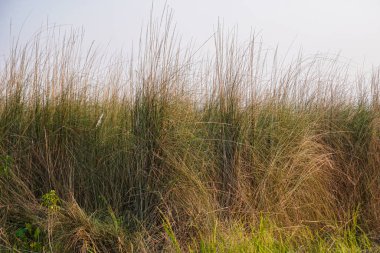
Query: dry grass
[(170, 152)]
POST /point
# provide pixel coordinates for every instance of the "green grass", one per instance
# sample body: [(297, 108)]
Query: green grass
[(172, 152)]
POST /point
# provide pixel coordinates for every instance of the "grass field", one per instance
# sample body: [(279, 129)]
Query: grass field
[(171, 151)]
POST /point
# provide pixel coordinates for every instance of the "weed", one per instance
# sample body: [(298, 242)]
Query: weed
[(29, 238), (51, 201)]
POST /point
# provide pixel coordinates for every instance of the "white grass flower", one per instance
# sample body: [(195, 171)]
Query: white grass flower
[(99, 121)]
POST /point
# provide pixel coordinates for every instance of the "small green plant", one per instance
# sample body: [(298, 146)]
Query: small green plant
[(29, 238), (51, 200), (5, 165)]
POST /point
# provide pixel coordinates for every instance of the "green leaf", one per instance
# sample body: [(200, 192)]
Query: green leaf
[(20, 233), (37, 233), (29, 228)]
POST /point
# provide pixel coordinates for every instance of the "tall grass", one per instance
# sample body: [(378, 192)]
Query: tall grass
[(169, 151)]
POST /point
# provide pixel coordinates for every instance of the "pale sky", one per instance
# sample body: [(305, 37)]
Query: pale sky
[(348, 27)]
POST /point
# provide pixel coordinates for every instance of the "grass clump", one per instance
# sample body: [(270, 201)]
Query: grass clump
[(172, 152)]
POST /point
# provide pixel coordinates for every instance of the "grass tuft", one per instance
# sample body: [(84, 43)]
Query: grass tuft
[(175, 152)]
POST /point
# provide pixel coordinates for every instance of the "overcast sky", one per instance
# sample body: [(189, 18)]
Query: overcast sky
[(348, 27)]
